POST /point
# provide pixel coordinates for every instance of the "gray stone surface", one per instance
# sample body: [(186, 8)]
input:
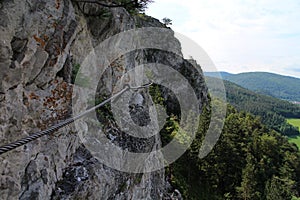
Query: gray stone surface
[(40, 42)]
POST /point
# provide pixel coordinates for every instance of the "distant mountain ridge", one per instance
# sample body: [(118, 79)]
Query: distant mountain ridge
[(218, 74), (272, 111), (279, 86)]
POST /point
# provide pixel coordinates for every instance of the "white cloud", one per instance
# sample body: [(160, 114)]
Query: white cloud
[(238, 35)]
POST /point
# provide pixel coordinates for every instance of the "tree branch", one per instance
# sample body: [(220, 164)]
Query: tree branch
[(107, 5)]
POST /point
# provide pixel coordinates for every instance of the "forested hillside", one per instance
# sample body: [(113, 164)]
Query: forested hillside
[(249, 162), (273, 112), (282, 87)]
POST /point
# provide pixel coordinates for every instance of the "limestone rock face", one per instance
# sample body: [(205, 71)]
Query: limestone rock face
[(35, 42), (41, 43)]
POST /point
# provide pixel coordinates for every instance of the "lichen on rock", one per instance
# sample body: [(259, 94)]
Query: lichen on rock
[(41, 40)]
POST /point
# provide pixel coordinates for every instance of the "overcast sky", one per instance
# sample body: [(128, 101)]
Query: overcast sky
[(239, 35)]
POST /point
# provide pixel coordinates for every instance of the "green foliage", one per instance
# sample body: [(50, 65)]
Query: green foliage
[(248, 162), (140, 19), (137, 179), (134, 6), (103, 113), (167, 21), (155, 92), (79, 78), (169, 130), (123, 187), (294, 122), (248, 184), (295, 139), (75, 70), (173, 129), (271, 110), (278, 189), (172, 124)]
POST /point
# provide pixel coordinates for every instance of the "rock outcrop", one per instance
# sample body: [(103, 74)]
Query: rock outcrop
[(41, 42)]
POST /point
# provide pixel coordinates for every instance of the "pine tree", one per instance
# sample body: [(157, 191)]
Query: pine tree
[(277, 189), (247, 190)]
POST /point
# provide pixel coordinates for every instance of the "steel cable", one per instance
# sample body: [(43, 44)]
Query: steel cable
[(34, 136)]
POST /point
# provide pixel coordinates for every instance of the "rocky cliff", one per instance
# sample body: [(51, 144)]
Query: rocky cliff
[(42, 42)]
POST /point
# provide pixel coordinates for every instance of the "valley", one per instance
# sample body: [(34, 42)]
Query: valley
[(294, 139), (272, 112), (100, 100), (275, 85)]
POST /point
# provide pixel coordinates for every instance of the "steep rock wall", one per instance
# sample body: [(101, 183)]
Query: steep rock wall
[(41, 42)]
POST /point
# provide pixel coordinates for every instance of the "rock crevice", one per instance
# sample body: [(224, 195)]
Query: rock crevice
[(41, 43)]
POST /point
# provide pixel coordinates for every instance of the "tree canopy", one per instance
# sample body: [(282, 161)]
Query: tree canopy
[(273, 112), (249, 162), (130, 5)]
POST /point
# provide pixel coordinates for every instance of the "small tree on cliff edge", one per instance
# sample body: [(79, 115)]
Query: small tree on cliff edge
[(167, 21)]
